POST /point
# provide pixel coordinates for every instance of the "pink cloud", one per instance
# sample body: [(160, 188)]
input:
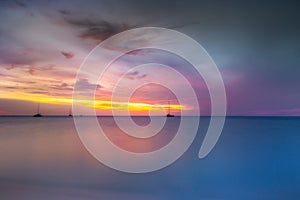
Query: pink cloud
[(67, 55), (31, 70), (10, 67)]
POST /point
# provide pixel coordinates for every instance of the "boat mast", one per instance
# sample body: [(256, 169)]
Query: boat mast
[(70, 112), (38, 108)]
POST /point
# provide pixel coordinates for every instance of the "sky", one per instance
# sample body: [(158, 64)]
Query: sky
[(254, 44)]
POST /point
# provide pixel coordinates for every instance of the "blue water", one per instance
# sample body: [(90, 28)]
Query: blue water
[(255, 158)]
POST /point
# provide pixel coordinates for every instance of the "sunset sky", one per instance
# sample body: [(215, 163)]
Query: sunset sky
[(254, 44)]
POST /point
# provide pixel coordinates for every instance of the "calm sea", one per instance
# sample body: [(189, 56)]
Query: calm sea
[(255, 158)]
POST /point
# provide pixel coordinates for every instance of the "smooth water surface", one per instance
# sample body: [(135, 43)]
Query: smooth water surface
[(255, 158)]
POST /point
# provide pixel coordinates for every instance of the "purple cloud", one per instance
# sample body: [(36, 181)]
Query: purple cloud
[(134, 75)]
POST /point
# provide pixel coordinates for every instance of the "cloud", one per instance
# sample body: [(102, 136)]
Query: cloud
[(11, 87), (21, 4), (60, 89), (67, 55), (61, 74), (141, 76), (98, 30), (64, 12), (12, 66), (134, 75), (13, 56), (84, 85), (48, 72), (31, 70), (62, 86)]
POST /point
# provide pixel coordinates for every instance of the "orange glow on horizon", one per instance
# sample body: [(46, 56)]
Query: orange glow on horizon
[(96, 104)]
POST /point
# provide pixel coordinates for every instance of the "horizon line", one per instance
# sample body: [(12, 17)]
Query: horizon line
[(152, 116)]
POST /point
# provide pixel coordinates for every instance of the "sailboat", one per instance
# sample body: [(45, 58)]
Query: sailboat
[(70, 114), (169, 113), (38, 114)]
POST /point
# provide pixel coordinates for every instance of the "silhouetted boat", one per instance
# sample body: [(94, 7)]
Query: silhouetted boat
[(169, 113), (70, 114), (38, 112)]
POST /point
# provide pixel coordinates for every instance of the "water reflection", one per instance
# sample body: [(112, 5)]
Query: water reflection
[(138, 145), (255, 158)]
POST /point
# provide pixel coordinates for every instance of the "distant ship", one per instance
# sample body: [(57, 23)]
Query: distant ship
[(169, 113), (38, 112)]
